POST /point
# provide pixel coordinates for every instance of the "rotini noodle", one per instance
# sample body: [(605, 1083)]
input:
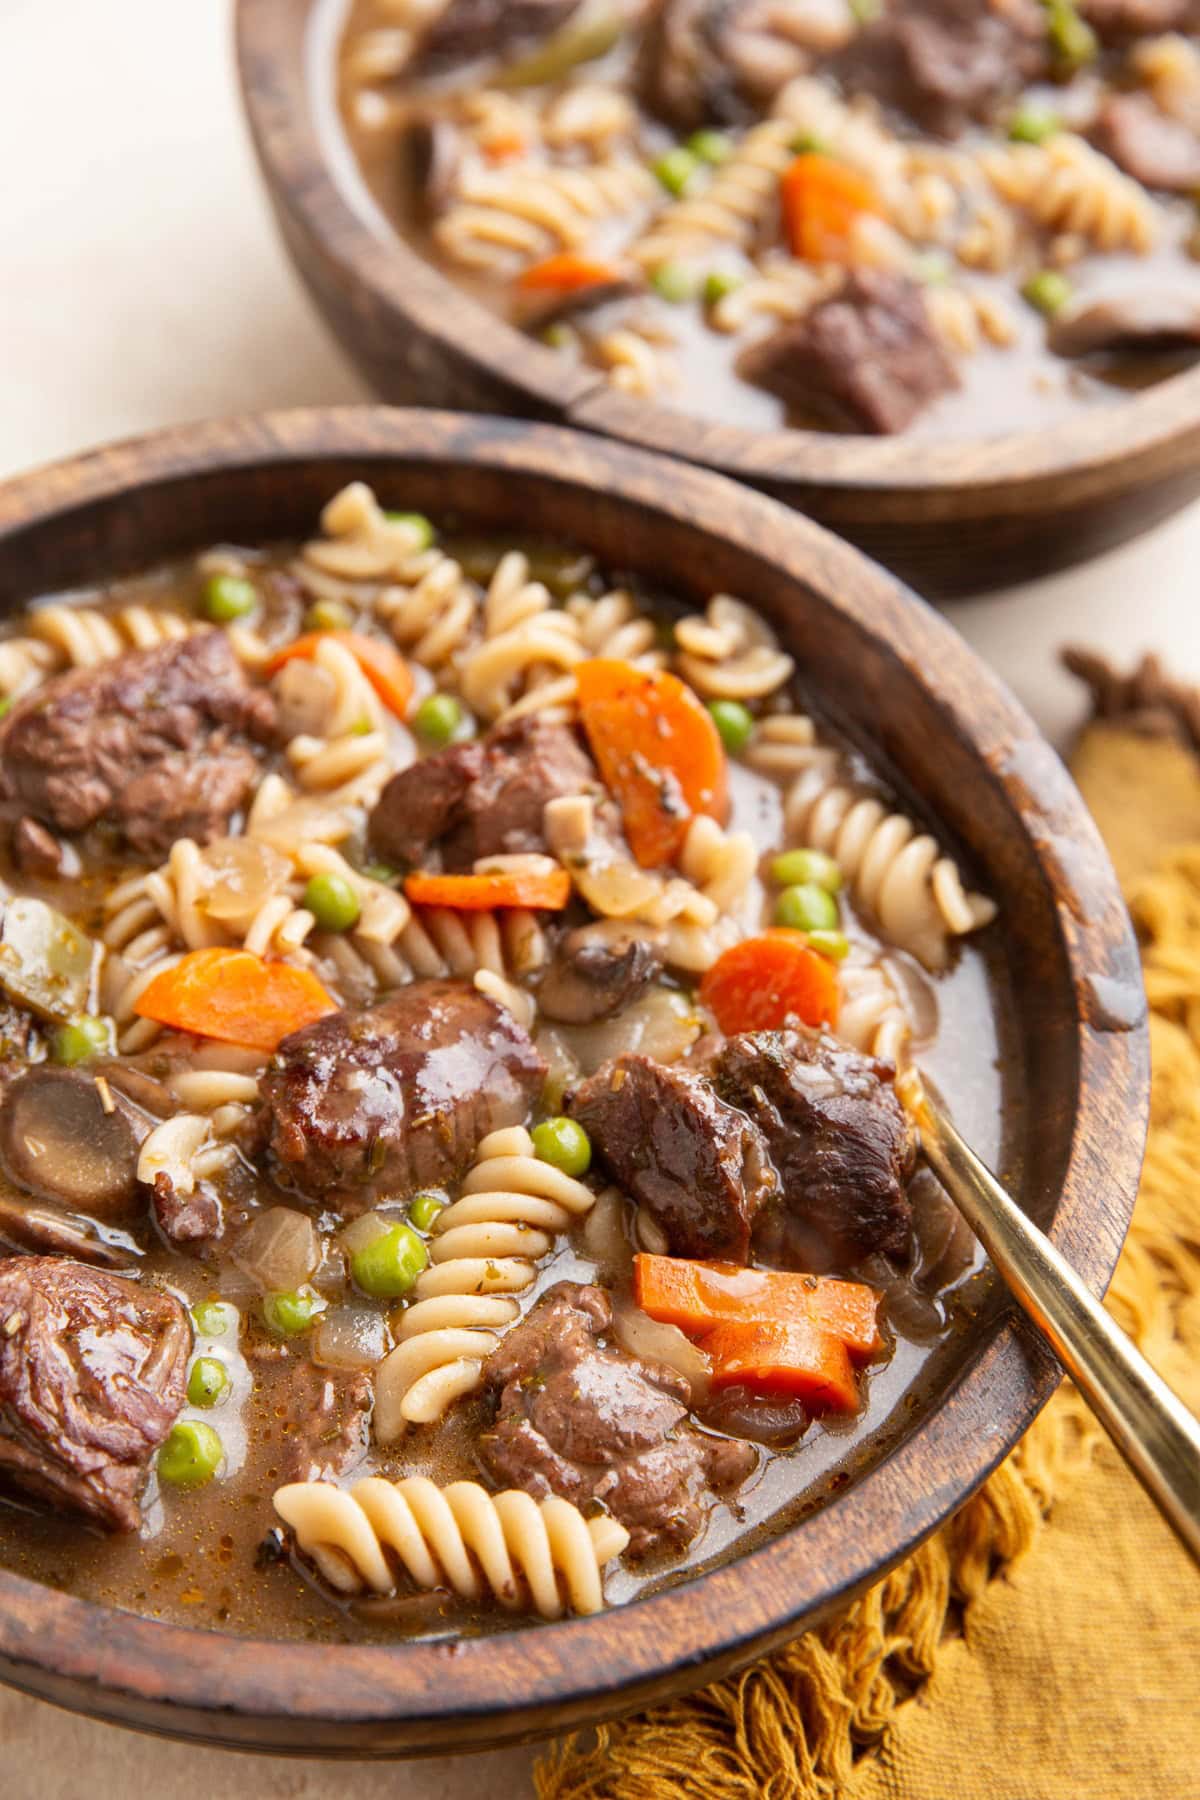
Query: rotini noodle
[(500, 220), (528, 1555), (1066, 185), (729, 653), (483, 1251)]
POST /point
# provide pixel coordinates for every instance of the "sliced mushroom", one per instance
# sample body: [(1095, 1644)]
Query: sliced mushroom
[(594, 973), (1145, 319), (67, 1141), (433, 150), (36, 1227)]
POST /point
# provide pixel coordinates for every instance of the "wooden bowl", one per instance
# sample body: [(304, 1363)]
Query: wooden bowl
[(953, 518), (897, 676)]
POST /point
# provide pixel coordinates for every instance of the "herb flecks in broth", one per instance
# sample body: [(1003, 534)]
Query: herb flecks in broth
[(929, 216), (452, 1006)]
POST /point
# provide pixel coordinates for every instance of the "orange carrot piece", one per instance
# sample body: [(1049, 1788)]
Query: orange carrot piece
[(236, 997), (480, 893), (503, 146), (569, 273), (792, 1360), (658, 750), (764, 982), (700, 1296), (823, 200), (384, 668)]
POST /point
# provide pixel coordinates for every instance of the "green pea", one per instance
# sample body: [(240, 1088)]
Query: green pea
[(807, 907), (332, 902), (833, 944), (6, 706), (1032, 124), (675, 282), (228, 597), (289, 1315), (796, 868), (807, 143), (676, 171), (362, 727), (709, 146), (208, 1381), (557, 335), (865, 10), (734, 722), (421, 527), (216, 1318), (379, 871), (389, 1265), (1071, 38), (328, 615), (438, 719), (83, 1038), (564, 1145), (423, 1210), (1048, 291), (191, 1455), (719, 284)]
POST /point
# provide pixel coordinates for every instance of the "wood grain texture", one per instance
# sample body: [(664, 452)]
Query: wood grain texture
[(952, 518), (959, 748)]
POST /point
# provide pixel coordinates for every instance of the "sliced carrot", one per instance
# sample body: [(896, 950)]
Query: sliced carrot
[(504, 146), (235, 996), (699, 1296), (658, 750), (384, 668), (767, 982), (569, 273), (784, 1359), (823, 200), (480, 893)]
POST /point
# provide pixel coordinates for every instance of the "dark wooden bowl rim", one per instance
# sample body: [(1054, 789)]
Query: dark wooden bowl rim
[(280, 84), (473, 1693)]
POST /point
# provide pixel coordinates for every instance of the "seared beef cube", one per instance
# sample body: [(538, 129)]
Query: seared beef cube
[(944, 62), (392, 1098), (1157, 151), (92, 1374), (698, 1166), (1118, 19), (591, 1423), (423, 803), (186, 1218), (839, 1139), (151, 743), (466, 30), (323, 1421), (596, 972), (724, 61), (867, 359), (484, 799)]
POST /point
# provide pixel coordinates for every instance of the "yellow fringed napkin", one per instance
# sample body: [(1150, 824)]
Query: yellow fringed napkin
[(1008, 1661)]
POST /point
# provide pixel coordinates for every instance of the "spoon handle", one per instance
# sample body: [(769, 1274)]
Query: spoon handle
[(1151, 1427)]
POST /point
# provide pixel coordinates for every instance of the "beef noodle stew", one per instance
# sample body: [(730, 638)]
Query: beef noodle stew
[(450, 1157), (947, 217)]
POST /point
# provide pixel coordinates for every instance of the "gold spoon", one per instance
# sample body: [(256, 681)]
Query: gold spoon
[(1150, 1426)]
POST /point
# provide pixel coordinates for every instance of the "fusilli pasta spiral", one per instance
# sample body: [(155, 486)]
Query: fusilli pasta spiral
[(543, 1557), (1068, 186)]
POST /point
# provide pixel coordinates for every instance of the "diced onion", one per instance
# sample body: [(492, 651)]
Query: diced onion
[(350, 1337), (648, 1338), (280, 1250)]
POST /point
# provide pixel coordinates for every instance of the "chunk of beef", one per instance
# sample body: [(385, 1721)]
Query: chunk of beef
[(595, 972), (92, 1373), (153, 744), (867, 359), (396, 1097), (590, 1423), (464, 30), (698, 1166), (1157, 151), (723, 61), (944, 62), (186, 1218), (324, 1421), (1116, 20), (484, 799), (838, 1138), (1144, 318), (36, 851)]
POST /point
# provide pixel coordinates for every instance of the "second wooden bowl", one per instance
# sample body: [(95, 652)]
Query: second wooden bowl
[(953, 518), (923, 705)]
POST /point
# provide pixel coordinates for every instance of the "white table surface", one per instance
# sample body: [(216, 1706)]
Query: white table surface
[(140, 285)]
